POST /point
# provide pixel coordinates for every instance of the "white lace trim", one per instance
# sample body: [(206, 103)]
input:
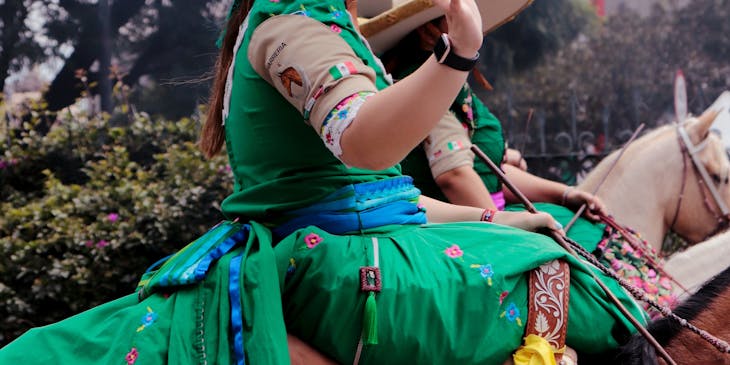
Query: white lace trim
[(229, 78), (336, 125)]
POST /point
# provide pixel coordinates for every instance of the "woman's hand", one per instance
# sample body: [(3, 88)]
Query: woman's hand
[(514, 158), (529, 221), (464, 24), (574, 198)]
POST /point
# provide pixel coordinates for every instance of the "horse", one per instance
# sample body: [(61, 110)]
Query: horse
[(708, 309), (653, 187), (693, 266)]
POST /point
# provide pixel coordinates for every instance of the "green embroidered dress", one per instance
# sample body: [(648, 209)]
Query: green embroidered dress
[(448, 293)]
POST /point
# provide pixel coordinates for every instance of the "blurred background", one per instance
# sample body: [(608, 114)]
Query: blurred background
[(102, 101)]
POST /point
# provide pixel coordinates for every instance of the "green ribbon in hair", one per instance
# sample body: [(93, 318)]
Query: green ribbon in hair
[(236, 4)]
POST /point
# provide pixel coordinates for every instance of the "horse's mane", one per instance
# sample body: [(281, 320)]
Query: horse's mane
[(639, 144), (639, 351)]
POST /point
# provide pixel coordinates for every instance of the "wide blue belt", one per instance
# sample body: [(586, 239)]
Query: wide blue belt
[(360, 206)]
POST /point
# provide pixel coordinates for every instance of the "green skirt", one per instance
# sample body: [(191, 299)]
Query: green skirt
[(451, 293)]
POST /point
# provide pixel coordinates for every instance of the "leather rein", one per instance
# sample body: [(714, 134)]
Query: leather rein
[(687, 149)]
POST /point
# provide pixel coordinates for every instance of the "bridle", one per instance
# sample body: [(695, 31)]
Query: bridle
[(687, 149)]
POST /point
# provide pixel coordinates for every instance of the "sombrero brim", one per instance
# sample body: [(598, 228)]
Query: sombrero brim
[(386, 29)]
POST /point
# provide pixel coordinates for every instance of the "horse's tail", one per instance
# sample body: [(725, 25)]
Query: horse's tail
[(638, 351)]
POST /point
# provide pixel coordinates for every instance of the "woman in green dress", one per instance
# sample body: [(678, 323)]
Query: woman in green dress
[(443, 167), (326, 240)]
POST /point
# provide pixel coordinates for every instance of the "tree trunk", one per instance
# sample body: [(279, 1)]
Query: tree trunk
[(63, 90), (105, 56), (13, 13)]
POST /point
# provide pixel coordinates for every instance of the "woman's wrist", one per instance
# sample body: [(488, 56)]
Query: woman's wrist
[(566, 192), (488, 215)]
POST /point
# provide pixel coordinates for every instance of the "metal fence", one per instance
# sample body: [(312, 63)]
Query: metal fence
[(565, 148)]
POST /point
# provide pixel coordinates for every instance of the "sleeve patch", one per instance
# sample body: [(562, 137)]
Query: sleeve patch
[(455, 145), (294, 81), (343, 69)]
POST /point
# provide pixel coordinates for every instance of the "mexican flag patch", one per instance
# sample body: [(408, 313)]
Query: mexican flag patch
[(343, 69), (454, 145)]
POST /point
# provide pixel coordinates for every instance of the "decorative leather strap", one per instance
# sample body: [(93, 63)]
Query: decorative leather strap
[(547, 301)]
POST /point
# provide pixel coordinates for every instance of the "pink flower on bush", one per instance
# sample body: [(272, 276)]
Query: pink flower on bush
[(454, 251), (132, 356), (112, 217), (312, 240), (102, 244)]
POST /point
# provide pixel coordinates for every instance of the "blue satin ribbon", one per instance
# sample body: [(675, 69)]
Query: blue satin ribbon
[(234, 294)]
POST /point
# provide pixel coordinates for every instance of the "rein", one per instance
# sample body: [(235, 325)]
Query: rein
[(571, 247), (687, 149), (638, 293)]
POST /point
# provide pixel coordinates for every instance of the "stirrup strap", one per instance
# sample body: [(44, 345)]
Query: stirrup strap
[(547, 307)]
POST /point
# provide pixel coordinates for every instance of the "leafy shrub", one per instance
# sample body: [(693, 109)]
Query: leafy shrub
[(89, 203)]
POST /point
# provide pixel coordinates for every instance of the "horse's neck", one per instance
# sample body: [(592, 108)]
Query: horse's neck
[(708, 309), (640, 190)]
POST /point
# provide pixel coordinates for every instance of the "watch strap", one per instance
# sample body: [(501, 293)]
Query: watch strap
[(444, 55)]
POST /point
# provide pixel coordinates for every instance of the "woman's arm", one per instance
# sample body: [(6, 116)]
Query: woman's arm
[(395, 120), (441, 212), (538, 189), (463, 186)]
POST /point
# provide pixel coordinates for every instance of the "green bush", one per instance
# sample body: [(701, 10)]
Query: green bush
[(89, 202)]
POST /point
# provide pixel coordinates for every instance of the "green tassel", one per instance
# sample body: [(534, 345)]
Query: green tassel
[(370, 321)]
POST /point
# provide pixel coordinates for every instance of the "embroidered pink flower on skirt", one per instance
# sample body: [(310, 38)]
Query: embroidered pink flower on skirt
[(454, 252), (312, 240), (132, 356)]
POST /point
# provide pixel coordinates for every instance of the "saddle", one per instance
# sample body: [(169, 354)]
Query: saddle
[(547, 307)]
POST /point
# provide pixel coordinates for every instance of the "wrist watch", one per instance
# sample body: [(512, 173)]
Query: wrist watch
[(442, 51)]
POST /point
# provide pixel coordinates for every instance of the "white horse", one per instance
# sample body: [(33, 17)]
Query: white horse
[(694, 266), (655, 187)]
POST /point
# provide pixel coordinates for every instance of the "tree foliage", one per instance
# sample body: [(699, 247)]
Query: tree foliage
[(26, 34), (170, 44), (626, 69), (89, 205), (540, 30)]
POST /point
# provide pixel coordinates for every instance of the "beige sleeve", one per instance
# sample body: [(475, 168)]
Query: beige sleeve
[(448, 146), (309, 64)]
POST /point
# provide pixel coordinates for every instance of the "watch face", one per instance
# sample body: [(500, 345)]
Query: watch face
[(442, 48)]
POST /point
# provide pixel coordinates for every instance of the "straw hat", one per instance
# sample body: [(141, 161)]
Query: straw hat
[(385, 22)]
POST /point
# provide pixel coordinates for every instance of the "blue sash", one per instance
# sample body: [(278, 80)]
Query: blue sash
[(357, 207)]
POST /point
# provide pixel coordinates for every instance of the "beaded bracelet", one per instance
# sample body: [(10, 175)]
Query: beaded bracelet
[(488, 215)]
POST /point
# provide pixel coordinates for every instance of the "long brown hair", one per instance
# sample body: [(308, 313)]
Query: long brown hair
[(213, 133)]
